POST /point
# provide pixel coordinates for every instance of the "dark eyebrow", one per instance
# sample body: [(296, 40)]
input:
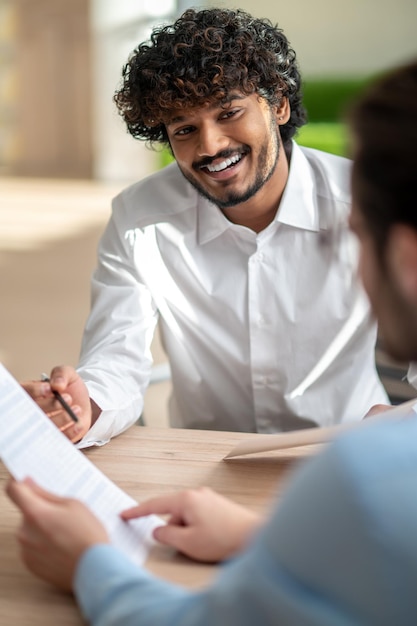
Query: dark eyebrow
[(176, 119), (215, 105)]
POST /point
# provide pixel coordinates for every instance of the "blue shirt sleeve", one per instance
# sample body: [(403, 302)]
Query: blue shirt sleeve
[(339, 550)]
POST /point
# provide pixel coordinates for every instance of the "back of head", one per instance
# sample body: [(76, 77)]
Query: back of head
[(384, 179), (202, 58)]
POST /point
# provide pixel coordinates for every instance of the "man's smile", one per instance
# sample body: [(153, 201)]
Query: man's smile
[(218, 167), (220, 163)]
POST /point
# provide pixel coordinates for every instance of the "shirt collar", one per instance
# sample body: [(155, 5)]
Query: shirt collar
[(298, 206), (211, 222)]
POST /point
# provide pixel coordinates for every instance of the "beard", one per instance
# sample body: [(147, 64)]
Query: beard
[(267, 162)]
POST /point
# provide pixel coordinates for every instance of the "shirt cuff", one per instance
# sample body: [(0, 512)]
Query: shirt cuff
[(98, 571), (111, 589)]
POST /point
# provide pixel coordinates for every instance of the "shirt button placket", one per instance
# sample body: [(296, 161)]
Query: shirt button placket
[(260, 337)]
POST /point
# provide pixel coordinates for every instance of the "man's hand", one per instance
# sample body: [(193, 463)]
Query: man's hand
[(202, 524), (54, 532), (376, 409), (68, 383)]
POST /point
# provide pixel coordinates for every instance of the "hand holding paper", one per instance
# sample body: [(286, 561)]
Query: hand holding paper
[(54, 532), (31, 446)]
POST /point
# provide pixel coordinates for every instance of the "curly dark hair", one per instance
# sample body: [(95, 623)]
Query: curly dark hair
[(203, 57), (384, 178)]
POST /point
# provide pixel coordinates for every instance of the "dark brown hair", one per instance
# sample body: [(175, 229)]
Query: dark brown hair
[(384, 176), (203, 57)]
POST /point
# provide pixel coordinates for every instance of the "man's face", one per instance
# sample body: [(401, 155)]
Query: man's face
[(226, 152), (394, 310)]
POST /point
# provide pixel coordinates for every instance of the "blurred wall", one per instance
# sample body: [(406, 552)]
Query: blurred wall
[(8, 86), (116, 29), (45, 88), (337, 38)]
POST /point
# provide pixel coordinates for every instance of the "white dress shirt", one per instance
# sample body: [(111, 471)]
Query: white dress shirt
[(264, 332)]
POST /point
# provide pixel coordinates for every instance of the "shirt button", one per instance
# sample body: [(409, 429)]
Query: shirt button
[(261, 320)]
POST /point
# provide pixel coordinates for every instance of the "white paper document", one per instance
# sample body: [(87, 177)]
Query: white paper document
[(32, 446), (309, 436)]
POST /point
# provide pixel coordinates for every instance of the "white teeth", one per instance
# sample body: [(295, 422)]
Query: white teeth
[(224, 164)]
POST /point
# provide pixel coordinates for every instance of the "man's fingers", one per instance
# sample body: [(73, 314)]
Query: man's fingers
[(22, 494), (62, 376), (155, 506), (43, 395), (37, 389), (187, 540), (175, 536), (376, 409), (27, 495), (46, 495)]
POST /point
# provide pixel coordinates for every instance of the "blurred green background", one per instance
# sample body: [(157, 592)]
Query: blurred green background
[(326, 102)]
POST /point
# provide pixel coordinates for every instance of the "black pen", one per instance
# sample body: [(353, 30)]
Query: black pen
[(60, 399)]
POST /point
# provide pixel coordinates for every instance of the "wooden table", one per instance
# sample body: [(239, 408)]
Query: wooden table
[(144, 462)]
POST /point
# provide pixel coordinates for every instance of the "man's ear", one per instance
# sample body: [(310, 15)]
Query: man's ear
[(283, 111), (402, 259)]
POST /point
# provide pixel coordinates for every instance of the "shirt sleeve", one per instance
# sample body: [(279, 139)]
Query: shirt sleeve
[(319, 561), (116, 359)]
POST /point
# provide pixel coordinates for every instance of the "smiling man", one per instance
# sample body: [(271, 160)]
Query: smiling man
[(339, 548), (266, 330), (231, 153)]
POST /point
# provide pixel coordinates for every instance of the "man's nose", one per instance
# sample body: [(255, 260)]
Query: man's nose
[(212, 140)]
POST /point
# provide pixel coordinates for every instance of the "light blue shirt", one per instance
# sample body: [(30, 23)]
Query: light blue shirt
[(340, 549)]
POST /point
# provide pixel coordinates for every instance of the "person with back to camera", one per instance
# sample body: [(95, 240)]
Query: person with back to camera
[(265, 331)]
